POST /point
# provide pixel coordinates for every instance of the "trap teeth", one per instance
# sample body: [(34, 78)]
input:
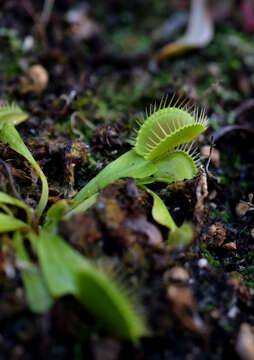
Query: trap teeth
[(167, 127)]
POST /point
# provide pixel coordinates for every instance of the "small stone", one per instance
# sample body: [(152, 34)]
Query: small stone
[(242, 208), (233, 312), (35, 80), (177, 273), (230, 246), (28, 43), (245, 342), (202, 263)]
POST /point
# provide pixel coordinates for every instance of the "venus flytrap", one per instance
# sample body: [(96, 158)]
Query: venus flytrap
[(160, 154), (163, 151)]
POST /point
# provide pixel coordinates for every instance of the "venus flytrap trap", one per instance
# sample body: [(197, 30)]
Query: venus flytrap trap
[(12, 113), (163, 151)]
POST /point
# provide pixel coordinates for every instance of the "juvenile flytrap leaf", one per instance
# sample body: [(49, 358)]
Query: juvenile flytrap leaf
[(12, 113), (160, 212), (67, 272), (10, 200), (37, 295), (178, 236), (129, 164), (10, 223), (9, 135)]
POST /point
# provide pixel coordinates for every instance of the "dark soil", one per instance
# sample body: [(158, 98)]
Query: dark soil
[(195, 299)]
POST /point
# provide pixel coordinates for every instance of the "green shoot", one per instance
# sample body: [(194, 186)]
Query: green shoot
[(10, 223)]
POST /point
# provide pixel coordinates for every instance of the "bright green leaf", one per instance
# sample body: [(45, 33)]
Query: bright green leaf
[(10, 200), (9, 223), (160, 212)]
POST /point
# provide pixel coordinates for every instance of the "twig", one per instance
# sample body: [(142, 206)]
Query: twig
[(201, 194), (212, 145)]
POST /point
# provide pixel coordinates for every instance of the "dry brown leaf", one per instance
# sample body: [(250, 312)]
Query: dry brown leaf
[(199, 32), (216, 234)]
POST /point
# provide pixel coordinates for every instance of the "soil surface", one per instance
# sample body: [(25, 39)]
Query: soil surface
[(98, 58)]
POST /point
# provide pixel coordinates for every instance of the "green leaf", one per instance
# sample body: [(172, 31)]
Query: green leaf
[(110, 304), (82, 207), (178, 236), (160, 212), (129, 164), (12, 113), (9, 223), (67, 272), (59, 264), (181, 237), (38, 297), (10, 200), (9, 135), (54, 214)]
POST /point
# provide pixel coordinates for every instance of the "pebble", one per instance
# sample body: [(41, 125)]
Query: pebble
[(177, 273), (202, 263), (231, 246), (245, 342)]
